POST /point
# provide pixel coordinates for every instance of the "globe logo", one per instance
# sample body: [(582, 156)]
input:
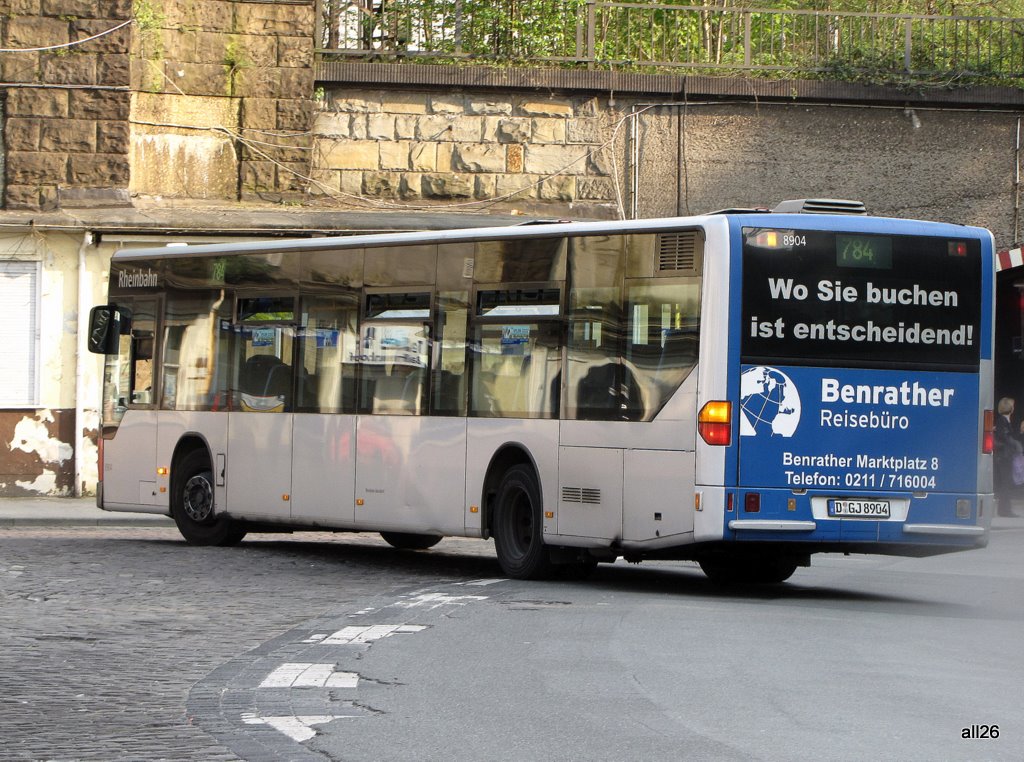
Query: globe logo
[(769, 403)]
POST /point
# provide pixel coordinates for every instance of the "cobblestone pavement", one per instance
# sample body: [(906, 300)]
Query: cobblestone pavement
[(103, 632)]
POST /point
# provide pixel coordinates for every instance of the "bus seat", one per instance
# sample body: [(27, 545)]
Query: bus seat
[(256, 373), (279, 381), (399, 393), (449, 395)]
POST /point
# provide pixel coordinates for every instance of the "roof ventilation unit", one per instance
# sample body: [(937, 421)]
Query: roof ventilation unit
[(820, 206)]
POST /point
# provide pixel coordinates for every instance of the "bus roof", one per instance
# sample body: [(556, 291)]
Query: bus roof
[(549, 230)]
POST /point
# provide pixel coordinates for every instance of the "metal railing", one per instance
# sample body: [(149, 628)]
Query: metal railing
[(661, 36)]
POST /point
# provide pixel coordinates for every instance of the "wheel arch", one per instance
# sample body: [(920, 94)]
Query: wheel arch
[(188, 443), (508, 455)]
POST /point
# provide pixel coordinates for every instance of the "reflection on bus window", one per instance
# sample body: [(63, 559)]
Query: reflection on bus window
[(449, 389), (516, 370), (393, 358), (662, 337), (325, 382), (195, 363), (143, 332), (602, 386)]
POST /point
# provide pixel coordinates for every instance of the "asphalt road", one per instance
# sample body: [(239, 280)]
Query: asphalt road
[(124, 643)]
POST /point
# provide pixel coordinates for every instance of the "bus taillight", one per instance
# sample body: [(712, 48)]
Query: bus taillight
[(714, 423), (989, 440)]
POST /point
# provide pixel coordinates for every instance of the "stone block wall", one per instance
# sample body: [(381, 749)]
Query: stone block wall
[(224, 99), (195, 99), (501, 149), (66, 109)]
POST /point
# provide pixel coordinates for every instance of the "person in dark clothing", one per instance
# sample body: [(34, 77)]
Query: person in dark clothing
[(1007, 446)]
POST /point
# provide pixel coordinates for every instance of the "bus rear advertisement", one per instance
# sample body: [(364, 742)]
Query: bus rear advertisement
[(742, 389)]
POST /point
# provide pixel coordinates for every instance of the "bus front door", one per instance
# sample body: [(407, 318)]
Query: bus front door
[(259, 469)]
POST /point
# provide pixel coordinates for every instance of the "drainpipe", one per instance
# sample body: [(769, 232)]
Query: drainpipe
[(81, 355), (1016, 187)]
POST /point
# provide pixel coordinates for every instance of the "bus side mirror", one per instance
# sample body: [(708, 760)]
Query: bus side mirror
[(104, 329)]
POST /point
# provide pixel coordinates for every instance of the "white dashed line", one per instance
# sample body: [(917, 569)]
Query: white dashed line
[(435, 600), (296, 728), (356, 635), (482, 582), (305, 675)]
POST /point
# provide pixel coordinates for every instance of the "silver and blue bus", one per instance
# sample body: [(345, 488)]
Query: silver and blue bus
[(741, 389)]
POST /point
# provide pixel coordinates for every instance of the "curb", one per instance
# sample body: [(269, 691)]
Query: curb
[(114, 520)]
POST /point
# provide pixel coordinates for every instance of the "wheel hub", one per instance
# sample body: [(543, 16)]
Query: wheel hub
[(198, 502)]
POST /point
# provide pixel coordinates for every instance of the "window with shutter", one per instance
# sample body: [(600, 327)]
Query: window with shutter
[(19, 334)]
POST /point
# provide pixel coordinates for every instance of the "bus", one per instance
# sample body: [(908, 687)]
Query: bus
[(741, 389)]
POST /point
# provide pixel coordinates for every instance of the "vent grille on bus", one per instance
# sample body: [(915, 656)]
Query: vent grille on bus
[(677, 252), (820, 206), (586, 495)]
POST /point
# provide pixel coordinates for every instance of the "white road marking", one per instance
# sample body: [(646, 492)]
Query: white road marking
[(482, 582), (356, 635), (296, 728), (306, 675), (435, 600)]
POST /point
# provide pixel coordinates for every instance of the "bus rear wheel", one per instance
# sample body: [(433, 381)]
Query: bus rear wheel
[(518, 528), (739, 570), (192, 504), (410, 541)]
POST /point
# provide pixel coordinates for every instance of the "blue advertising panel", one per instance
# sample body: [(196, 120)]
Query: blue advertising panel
[(853, 430), (859, 358)]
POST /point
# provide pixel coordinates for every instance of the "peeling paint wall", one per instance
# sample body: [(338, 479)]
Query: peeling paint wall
[(37, 456), (38, 445)]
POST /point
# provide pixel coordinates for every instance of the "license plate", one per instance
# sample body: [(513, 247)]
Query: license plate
[(859, 509)]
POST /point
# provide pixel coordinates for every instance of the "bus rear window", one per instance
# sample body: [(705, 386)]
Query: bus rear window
[(861, 300)]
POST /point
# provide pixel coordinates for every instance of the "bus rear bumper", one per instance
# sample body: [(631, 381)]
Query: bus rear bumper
[(762, 525), (945, 529), (768, 525), (931, 522)]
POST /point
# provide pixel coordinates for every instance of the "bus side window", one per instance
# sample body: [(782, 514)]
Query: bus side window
[(449, 389), (140, 349), (601, 385), (265, 375), (662, 336), (197, 338), (394, 352), (516, 370), (325, 365)]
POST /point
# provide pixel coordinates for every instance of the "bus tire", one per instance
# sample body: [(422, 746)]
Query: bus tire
[(518, 528), (733, 570), (410, 541), (192, 504)]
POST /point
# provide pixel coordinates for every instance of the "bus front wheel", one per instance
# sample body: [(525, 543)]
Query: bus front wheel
[(518, 528), (738, 570), (192, 504)]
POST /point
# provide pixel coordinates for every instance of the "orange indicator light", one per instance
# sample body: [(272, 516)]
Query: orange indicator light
[(714, 423)]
